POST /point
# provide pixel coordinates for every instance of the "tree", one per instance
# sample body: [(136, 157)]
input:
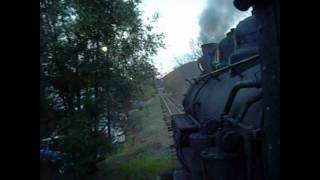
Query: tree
[(80, 82), (195, 54)]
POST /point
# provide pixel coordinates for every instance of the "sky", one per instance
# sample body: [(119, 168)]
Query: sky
[(179, 21)]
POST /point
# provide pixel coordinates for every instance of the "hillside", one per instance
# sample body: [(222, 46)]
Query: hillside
[(145, 154), (175, 81)]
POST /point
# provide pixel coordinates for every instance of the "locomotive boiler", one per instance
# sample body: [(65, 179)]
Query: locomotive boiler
[(223, 133)]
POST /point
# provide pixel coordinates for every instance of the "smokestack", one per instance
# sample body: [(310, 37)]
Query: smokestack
[(208, 51)]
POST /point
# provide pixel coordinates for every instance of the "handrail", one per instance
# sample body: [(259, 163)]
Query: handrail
[(249, 59)]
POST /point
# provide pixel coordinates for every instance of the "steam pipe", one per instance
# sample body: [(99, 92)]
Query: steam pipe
[(234, 92), (248, 105)]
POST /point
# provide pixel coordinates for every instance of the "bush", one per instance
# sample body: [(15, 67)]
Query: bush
[(80, 146)]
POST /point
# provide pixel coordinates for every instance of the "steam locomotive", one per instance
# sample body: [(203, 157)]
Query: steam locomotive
[(230, 128)]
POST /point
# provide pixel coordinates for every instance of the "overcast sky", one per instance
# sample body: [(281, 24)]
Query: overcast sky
[(179, 21)]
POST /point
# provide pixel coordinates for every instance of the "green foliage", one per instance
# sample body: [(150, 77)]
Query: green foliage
[(145, 167), (79, 82), (144, 155), (148, 91), (81, 145)]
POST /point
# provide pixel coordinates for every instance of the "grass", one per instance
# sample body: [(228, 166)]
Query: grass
[(145, 154), (145, 167)]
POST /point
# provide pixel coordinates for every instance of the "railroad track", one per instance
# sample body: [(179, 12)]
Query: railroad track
[(169, 105), (169, 108)]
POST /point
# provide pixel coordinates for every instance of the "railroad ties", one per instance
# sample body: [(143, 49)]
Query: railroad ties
[(168, 109)]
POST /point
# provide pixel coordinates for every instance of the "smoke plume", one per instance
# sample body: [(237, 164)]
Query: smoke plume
[(217, 19)]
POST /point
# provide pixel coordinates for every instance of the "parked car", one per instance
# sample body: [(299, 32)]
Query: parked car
[(49, 152)]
